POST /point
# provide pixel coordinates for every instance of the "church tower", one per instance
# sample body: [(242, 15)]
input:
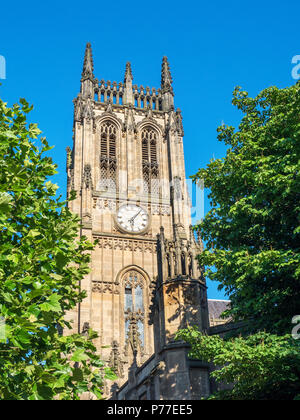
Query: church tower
[(127, 168)]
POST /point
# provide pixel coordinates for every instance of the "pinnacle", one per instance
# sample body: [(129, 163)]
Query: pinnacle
[(88, 65), (166, 78), (128, 72)]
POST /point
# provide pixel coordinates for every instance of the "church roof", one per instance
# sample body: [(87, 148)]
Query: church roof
[(217, 307)]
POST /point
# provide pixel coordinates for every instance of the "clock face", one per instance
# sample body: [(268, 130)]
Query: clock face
[(132, 218)]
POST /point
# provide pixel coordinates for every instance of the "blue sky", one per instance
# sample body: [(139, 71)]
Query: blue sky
[(211, 46)]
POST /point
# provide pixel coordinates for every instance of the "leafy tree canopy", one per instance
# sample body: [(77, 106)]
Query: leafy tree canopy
[(260, 367), (252, 235), (252, 231), (41, 265)]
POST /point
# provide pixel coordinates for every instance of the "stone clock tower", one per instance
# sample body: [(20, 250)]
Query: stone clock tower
[(127, 167)]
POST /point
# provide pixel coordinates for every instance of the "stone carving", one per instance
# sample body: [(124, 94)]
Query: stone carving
[(87, 177), (105, 287), (88, 112), (78, 108), (172, 291), (85, 329), (179, 122), (115, 360), (165, 210), (172, 122), (148, 247), (133, 340), (162, 210), (87, 220), (126, 244), (129, 121), (109, 109), (107, 243), (118, 244), (105, 204), (149, 113), (70, 180), (155, 209), (69, 157), (137, 246)]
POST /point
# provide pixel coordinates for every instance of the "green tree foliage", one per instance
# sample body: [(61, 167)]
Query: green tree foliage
[(41, 265), (252, 231), (260, 367), (252, 235)]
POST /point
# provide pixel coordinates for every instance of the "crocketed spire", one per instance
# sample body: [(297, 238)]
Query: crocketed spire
[(128, 73), (166, 78), (88, 65)]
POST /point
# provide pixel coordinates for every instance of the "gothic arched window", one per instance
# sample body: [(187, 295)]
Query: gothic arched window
[(134, 312), (108, 159), (149, 161)]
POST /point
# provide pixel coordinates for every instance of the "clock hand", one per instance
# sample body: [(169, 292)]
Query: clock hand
[(137, 213), (133, 217)]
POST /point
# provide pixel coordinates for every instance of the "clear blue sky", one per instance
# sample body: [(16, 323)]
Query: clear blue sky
[(212, 47)]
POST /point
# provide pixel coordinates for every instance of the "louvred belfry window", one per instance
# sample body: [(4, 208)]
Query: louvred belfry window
[(108, 160), (149, 161)]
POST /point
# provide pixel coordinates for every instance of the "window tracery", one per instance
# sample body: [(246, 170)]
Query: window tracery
[(134, 312), (108, 160), (149, 161)]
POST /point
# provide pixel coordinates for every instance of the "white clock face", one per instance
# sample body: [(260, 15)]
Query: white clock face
[(132, 218)]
